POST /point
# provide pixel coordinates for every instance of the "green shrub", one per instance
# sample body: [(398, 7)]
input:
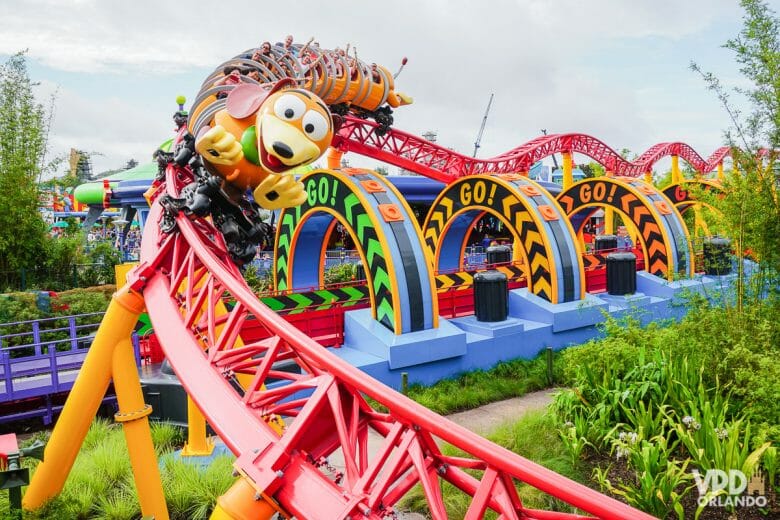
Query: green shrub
[(257, 281), (661, 482), (734, 350), (191, 491), (342, 273), (15, 307)]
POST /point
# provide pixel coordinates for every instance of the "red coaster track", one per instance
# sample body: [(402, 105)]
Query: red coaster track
[(188, 272), (418, 155)]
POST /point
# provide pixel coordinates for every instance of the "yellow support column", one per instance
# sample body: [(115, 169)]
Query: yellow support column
[(240, 503), (198, 444), (609, 215), (676, 175), (334, 158), (568, 176), (84, 399), (133, 415), (649, 177), (721, 176), (609, 221)]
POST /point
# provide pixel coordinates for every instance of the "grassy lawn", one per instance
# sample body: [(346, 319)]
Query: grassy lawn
[(505, 380), (101, 483)]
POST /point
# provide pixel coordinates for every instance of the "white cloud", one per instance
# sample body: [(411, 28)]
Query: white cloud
[(537, 56), (113, 131)]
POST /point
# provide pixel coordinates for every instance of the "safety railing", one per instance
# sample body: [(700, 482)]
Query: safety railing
[(39, 359)]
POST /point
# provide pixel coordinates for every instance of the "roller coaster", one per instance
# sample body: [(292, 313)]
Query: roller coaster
[(284, 426)]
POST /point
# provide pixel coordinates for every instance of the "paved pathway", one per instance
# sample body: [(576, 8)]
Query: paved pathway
[(485, 419)]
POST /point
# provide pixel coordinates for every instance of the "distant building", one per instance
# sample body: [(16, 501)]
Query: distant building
[(542, 172)]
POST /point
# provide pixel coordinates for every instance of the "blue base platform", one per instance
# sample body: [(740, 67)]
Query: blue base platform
[(465, 344)]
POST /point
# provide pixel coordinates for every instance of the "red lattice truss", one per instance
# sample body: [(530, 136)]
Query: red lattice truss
[(418, 155)]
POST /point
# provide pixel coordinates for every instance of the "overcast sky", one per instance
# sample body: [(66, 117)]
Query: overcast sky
[(615, 69)]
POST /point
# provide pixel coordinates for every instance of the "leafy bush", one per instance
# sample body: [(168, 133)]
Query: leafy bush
[(259, 282), (101, 259), (655, 399), (339, 274), (661, 483), (15, 307), (734, 350)]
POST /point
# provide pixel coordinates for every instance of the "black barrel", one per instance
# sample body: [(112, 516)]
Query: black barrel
[(498, 254), (360, 272), (717, 256), (605, 242), (491, 296), (621, 273)]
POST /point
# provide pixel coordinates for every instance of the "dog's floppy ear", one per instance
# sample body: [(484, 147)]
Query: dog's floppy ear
[(245, 99)]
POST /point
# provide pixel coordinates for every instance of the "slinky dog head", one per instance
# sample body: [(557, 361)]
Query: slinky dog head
[(293, 127)]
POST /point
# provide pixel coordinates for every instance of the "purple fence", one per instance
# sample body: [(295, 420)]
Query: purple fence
[(39, 361)]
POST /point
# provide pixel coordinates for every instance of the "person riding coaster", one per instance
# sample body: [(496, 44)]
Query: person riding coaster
[(327, 74)]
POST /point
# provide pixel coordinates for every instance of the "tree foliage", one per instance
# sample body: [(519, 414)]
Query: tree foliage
[(757, 50), (23, 134), (592, 169), (750, 213)]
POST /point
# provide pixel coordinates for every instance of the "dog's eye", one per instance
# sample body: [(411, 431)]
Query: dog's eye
[(289, 107), (315, 125)]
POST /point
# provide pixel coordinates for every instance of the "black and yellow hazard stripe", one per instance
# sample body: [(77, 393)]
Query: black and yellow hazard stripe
[(673, 223), (465, 279), (516, 204), (498, 198), (620, 195)]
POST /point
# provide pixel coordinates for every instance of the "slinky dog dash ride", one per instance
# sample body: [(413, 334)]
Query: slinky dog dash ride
[(189, 281)]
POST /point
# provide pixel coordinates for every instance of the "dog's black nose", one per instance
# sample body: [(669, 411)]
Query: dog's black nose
[(282, 150)]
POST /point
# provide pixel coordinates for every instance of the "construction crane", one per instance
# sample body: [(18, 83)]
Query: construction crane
[(482, 126), (555, 161)]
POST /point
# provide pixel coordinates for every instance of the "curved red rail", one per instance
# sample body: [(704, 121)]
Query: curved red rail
[(418, 155), (324, 406)]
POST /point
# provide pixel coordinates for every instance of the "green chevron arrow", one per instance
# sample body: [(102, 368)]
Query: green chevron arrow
[(353, 293), (144, 325), (363, 222), (281, 263), (381, 279), (385, 310), (350, 202), (300, 300), (374, 248), (273, 303), (327, 296), (284, 241)]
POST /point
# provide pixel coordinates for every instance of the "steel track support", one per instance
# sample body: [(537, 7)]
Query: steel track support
[(103, 360)]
